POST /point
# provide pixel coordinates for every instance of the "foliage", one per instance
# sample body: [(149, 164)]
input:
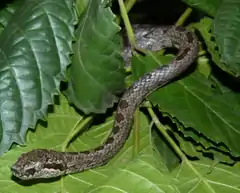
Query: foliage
[(43, 44)]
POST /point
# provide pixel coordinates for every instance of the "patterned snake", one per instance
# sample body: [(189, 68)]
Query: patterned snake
[(44, 163)]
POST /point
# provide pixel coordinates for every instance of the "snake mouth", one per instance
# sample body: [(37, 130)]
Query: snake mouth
[(14, 170), (17, 173)]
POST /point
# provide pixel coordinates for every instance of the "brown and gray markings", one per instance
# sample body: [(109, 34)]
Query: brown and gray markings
[(45, 164), (182, 54)]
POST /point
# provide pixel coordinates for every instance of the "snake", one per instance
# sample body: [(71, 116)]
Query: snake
[(47, 163)]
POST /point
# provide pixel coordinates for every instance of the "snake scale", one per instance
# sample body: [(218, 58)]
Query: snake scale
[(44, 163)]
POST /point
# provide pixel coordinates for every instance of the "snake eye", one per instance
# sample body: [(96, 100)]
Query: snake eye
[(31, 171)]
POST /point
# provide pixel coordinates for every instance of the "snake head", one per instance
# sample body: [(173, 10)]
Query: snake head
[(39, 163)]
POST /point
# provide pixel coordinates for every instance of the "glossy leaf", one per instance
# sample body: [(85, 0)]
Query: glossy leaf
[(226, 29), (197, 105), (208, 7), (35, 47), (146, 172), (97, 71)]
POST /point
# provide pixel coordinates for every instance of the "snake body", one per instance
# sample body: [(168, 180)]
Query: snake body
[(44, 163)]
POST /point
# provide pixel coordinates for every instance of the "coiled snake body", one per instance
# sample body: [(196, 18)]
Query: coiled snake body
[(43, 163)]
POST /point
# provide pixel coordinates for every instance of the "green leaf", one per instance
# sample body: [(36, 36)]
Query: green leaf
[(81, 6), (197, 105), (97, 70), (209, 7), (196, 150), (169, 157), (205, 27), (35, 48), (7, 12), (60, 123), (203, 176), (145, 172), (226, 31)]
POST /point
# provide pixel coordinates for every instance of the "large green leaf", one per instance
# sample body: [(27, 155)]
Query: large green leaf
[(145, 172), (34, 53), (196, 149), (197, 105), (7, 12), (205, 28), (226, 30), (97, 70), (203, 176), (209, 7), (60, 123), (169, 157)]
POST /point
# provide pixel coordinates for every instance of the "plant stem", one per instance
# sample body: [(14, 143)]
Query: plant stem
[(127, 23), (77, 127), (176, 148), (179, 22), (164, 133), (183, 17), (128, 5)]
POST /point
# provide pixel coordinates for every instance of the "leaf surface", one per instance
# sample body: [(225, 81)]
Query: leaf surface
[(197, 105), (145, 172), (97, 71), (209, 7), (226, 29), (34, 53)]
